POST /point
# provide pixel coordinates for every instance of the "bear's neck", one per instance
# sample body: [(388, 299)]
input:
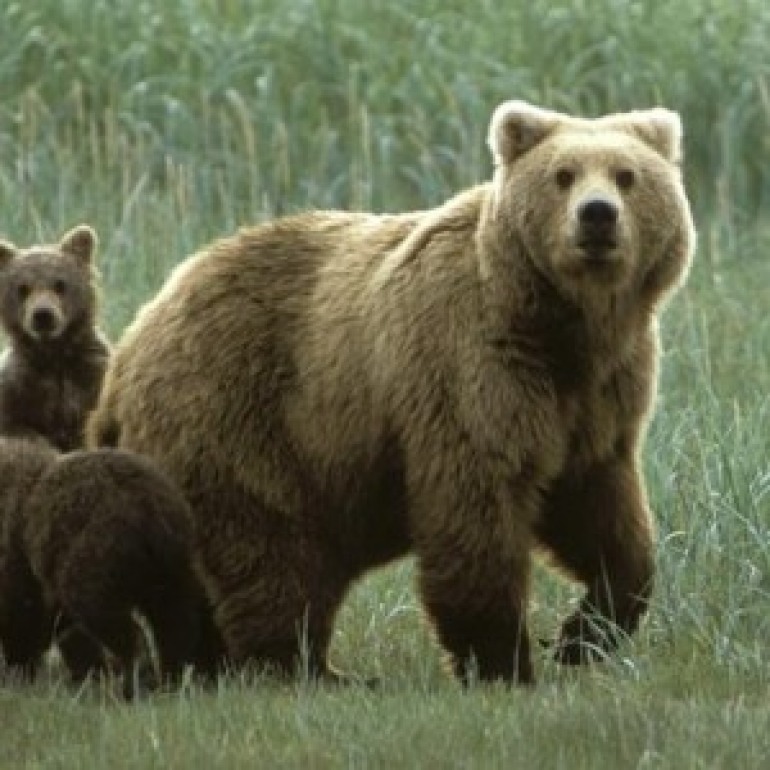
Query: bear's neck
[(76, 345), (527, 313)]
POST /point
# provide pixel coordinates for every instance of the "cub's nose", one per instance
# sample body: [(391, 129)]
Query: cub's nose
[(598, 214), (43, 320)]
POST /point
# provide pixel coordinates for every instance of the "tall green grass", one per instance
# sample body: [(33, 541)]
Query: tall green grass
[(165, 125), (206, 113)]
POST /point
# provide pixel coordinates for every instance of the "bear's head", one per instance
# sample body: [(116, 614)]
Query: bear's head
[(595, 204), (48, 291)]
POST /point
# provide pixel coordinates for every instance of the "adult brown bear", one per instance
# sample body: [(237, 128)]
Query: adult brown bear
[(470, 383)]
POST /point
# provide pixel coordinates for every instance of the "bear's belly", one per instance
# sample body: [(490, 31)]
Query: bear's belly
[(363, 508)]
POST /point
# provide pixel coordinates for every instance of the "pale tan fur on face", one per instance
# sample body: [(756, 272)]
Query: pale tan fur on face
[(645, 146)]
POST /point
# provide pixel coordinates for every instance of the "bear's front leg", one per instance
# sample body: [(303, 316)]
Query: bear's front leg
[(474, 571), (598, 526), (486, 637)]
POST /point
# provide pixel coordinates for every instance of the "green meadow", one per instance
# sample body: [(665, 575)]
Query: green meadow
[(165, 125)]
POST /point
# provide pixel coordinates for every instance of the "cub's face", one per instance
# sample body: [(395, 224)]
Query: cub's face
[(596, 204), (45, 290)]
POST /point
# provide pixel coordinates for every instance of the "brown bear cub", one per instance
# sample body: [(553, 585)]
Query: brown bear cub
[(471, 384), (89, 538), (51, 374), (23, 616)]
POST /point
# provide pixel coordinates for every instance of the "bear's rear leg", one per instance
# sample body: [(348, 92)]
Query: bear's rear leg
[(108, 622), (211, 657), (287, 636), (23, 648), (25, 622), (118, 633), (280, 613), (82, 654), (273, 586), (174, 615)]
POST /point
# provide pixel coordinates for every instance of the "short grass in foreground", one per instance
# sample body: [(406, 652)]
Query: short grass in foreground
[(666, 703)]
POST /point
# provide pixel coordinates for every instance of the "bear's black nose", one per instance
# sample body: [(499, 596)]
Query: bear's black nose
[(598, 213), (43, 320)]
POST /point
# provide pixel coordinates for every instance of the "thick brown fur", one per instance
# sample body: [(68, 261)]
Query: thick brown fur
[(52, 371), (470, 383), (100, 535), (24, 618)]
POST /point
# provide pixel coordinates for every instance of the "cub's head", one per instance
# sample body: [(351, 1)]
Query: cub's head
[(596, 204), (47, 291)]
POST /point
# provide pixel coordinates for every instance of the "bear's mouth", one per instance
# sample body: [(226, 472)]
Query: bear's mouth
[(598, 251)]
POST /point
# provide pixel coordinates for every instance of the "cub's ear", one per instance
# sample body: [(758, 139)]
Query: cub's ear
[(8, 253), (659, 128), (80, 242), (517, 127)]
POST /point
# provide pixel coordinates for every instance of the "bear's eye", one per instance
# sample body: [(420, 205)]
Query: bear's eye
[(22, 291), (59, 286), (625, 178), (565, 177)]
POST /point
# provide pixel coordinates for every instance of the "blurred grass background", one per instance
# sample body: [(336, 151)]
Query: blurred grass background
[(164, 125)]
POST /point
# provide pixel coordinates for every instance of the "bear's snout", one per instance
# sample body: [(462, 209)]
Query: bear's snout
[(43, 318), (598, 212), (598, 223)]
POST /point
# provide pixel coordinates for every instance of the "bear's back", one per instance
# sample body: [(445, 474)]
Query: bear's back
[(113, 499), (229, 321)]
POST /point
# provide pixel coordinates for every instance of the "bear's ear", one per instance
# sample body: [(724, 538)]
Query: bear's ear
[(517, 127), (80, 242), (659, 128), (8, 253)]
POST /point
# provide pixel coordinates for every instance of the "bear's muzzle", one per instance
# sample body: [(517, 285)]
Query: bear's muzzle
[(598, 227), (43, 317)]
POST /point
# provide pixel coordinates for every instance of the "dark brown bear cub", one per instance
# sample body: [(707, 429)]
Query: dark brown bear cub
[(100, 535), (51, 374), (23, 616)]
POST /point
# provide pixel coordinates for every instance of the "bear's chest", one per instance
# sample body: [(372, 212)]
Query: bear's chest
[(604, 414), (593, 420), (56, 407)]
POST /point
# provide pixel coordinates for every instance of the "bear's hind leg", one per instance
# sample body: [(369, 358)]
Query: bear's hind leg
[(118, 632), (273, 588), (598, 527), (25, 622), (82, 654), (174, 615), (96, 608), (279, 611), (280, 622)]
